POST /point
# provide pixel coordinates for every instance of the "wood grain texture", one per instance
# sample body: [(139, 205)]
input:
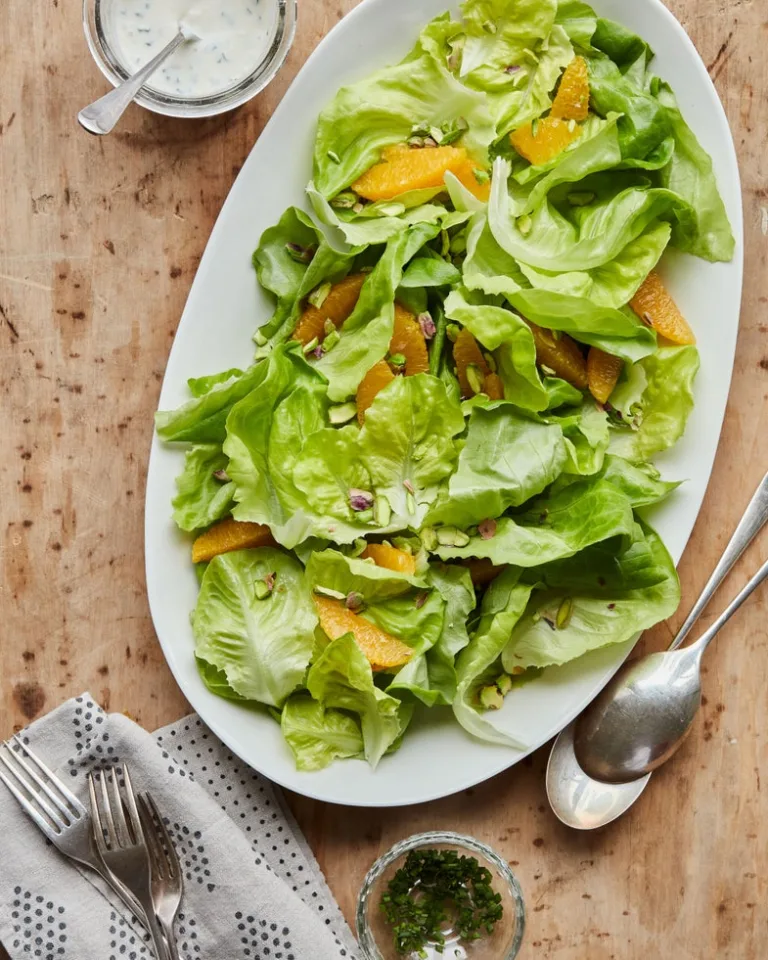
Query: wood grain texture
[(100, 241)]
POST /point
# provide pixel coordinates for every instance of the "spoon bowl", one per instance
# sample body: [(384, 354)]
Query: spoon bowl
[(641, 717)]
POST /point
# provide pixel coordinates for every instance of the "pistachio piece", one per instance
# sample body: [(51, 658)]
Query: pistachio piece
[(427, 324), (397, 360), (420, 599), (360, 500), (482, 176), (261, 590), (332, 155), (382, 512), (524, 224), (259, 338), (309, 347), (354, 601), (221, 475), (452, 332), (475, 378), (504, 683), (564, 613), (342, 413), (428, 539), (331, 340), (487, 529), (300, 254), (345, 200), (319, 295)]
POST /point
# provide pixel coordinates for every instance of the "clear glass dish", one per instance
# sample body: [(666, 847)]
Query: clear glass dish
[(108, 61), (375, 934)]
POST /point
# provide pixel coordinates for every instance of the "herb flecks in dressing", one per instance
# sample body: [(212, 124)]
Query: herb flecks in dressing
[(234, 37)]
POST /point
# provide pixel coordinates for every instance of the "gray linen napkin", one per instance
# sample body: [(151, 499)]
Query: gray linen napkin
[(253, 890)]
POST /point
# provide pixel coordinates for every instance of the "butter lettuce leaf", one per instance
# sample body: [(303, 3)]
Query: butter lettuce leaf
[(263, 647), (317, 736), (200, 498)]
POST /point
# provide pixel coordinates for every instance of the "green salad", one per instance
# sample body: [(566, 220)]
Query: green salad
[(428, 485)]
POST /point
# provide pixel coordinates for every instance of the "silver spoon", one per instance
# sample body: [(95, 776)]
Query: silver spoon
[(585, 803), (101, 116)]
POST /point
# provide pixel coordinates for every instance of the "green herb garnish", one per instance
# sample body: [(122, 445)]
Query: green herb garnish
[(437, 888)]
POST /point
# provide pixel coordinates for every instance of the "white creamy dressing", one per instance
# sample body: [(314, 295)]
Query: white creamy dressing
[(234, 38)]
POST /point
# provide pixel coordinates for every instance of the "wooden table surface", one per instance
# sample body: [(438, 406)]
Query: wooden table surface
[(99, 242)]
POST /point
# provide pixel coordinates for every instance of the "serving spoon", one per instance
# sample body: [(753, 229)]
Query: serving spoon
[(584, 802), (101, 116)]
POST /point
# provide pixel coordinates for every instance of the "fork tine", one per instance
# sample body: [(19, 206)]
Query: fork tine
[(98, 827), (118, 811), (133, 813), (71, 799), (67, 815), (165, 837), (156, 855), (42, 823), (112, 836), (55, 816)]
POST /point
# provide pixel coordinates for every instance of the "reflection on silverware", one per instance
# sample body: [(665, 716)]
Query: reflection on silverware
[(121, 843), (167, 880), (58, 813)]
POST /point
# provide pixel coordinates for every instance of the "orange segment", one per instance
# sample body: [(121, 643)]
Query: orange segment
[(561, 354), (231, 534), (552, 136), (572, 100), (603, 372), (404, 170), (466, 175), (375, 380), (337, 306), (467, 353), (382, 650), (408, 339), (391, 558), (481, 571), (493, 386), (656, 307)]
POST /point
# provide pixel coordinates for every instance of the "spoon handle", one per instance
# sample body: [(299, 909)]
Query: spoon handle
[(101, 116), (709, 635), (749, 526)]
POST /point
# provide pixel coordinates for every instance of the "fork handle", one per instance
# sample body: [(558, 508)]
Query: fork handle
[(170, 939), (158, 941)]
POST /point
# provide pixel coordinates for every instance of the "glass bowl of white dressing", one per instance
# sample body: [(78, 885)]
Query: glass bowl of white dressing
[(237, 48)]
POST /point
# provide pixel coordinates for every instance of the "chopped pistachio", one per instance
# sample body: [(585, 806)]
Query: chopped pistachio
[(475, 378), (504, 683), (571, 125), (452, 332), (437, 134), (513, 68), (345, 200), (410, 503), (420, 599), (580, 198), (535, 127), (300, 254), (408, 486), (397, 359), (358, 207), (260, 339), (382, 512), (360, 500), (332, 155), (392, 209), (261, 589), (451, 130), (524, 224), (516, 671), (342, 413), (415, 142), (365, 516), (491, 361), (428, 539), (328, 592), (309, 347), (547, 370), (430, 142), (221, 475), (451, 537), (482, 176), (491, 698), (564, 613), (427, 324), (328, 326), (331, 340), (487, 529), (489, 26), (354, 601)]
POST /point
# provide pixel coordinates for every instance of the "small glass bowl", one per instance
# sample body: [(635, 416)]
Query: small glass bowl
[(375, 934), (170, 106)]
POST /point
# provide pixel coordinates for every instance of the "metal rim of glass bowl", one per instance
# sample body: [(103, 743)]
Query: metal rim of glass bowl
[(364, 934), (169, 106)]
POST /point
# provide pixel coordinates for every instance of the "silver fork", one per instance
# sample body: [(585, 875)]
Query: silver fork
[(61, 817), (123, 847), (167, 880)]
